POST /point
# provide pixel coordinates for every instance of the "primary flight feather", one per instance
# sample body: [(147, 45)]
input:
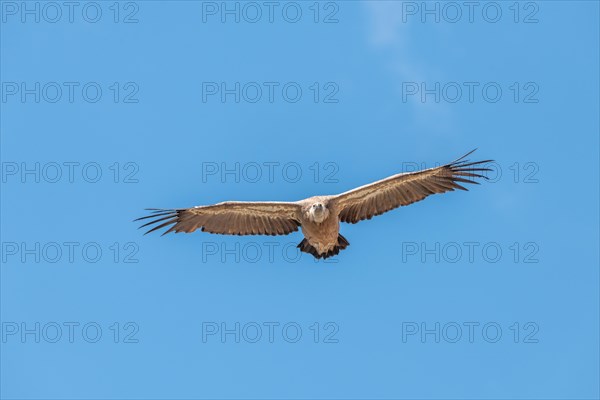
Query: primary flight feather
[(319, 217)]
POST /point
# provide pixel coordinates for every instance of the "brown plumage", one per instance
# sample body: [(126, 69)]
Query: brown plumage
[(319, 217)]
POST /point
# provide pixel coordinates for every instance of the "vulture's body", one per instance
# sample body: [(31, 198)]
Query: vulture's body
[(321, 237), (319, 217)]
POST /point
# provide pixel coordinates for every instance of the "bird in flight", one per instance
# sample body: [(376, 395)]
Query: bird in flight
[(319, 217)]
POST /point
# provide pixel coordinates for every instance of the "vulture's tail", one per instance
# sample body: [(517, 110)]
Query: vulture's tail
[(306, 247)]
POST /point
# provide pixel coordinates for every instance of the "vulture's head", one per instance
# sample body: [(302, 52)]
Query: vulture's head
[(318, 212)]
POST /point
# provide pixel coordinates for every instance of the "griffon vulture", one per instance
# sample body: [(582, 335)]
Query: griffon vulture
[(319, 217)]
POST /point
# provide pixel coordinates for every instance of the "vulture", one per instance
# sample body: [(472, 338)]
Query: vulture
[(319, 217)]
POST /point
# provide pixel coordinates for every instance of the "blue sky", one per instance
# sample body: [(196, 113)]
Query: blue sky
[(491, 293)]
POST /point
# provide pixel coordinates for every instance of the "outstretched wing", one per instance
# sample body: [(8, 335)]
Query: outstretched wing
[(404, 189), (230, 218)]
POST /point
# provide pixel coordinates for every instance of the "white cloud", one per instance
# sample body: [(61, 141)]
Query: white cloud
[(392, 37)]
